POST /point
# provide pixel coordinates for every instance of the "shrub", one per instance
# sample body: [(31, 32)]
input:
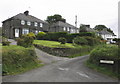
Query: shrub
[(25, 41), (105, 52), (80, 41), (31, 34), (53, 36), (62, 40), (92, 41), (6, 43), (40, 35), (16, 59), (91, 34)]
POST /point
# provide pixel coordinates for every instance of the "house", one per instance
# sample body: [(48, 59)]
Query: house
[(23, 23), (63, 27), (107, 35)]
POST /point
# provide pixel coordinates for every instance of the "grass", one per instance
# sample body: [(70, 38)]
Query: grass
[(54, 44), (101, 69), (17, 59)]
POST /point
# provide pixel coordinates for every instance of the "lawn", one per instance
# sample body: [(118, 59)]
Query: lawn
[(54, 44)]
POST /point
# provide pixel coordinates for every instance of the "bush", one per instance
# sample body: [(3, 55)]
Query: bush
[(6, 43), (40, 35), (31, 34), (92, 41), (53, 36), (91, 34), (25, 41), (106, 52), (17, 59), (62, 40), (80, 41)]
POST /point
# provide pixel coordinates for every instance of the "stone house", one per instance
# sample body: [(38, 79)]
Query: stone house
[(23, 23), (63, 27)]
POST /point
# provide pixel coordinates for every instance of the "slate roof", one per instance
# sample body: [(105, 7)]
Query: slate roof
[(105, 32), (22, 16), (63, 24)]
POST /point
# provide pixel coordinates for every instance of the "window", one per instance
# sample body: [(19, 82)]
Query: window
[(41, 24), (28, 23), (64, 28), (22, 22), (25, 31), (68, 29), (35, 24)]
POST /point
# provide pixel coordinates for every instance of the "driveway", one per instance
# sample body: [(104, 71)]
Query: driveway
[(60, 69)]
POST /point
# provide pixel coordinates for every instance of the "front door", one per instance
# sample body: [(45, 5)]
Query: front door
[(16, 32)]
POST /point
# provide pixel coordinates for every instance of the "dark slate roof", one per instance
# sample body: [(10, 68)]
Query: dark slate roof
[(22, 16), (63, 24), (105, 32)]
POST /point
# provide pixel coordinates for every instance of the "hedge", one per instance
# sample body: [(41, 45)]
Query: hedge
[(106, 52), (17, 59)]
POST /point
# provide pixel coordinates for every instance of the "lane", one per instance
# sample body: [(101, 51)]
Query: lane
[(63, 70)]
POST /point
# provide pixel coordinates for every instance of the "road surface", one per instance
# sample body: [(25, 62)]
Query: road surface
[(59, 69)]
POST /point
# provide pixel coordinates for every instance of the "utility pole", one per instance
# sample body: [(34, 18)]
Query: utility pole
[(76, 21)]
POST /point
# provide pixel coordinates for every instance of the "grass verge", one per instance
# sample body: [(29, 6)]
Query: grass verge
[(17, 59)]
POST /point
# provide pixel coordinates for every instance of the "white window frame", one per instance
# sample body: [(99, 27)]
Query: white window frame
[(25, 31), (41, 24), (35, 24), (22, 22), (28, 23)]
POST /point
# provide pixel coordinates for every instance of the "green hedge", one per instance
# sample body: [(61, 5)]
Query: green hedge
[(16, 59), (106, 52), (53, 36)]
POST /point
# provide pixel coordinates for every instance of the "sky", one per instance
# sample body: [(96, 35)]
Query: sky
[(92, 12)]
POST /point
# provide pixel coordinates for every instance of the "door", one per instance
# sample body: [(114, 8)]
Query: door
[(16, 32)]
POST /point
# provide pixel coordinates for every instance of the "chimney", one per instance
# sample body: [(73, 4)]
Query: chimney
[(26, 12)]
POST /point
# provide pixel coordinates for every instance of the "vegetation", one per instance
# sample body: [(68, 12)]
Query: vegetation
[(55, 18), (80, 41), (25, 40), (17, 59), (101, 27), (66, 50), (105, 52), (31, 34), (53, 44), (6, 43), (41, 35), (62, 40)]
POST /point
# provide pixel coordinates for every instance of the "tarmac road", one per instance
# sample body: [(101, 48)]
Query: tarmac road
[(59, 69)]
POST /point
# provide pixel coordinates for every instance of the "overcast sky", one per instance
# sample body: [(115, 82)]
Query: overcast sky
[(93, 12)]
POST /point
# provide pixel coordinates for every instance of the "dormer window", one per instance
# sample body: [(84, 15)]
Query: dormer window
[(22, 22), (29, 23), (35, 24), (41, 24)]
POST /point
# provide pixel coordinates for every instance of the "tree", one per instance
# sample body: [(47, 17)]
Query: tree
[(55, 18), (100, 27)]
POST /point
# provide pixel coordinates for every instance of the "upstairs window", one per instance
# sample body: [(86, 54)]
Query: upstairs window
[(41, 24), (22, 22), (35, 24), (29, 23)]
